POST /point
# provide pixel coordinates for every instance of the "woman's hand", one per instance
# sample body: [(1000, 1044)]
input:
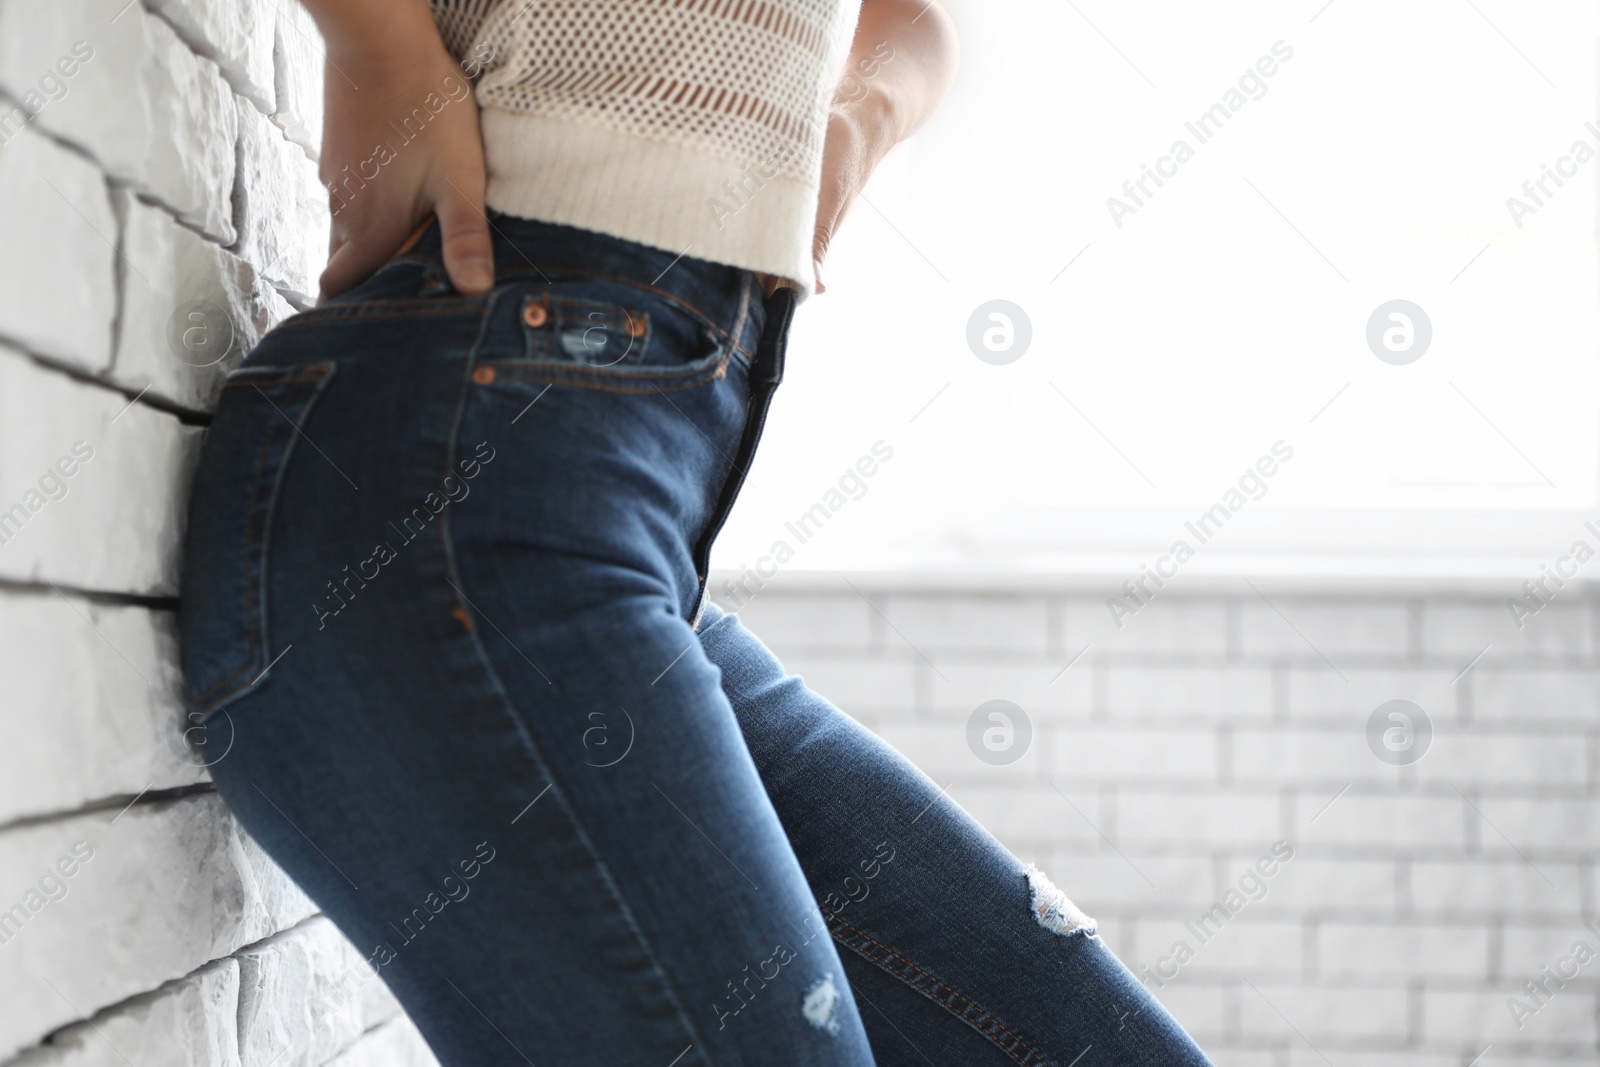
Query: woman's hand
[(400, 141), (901, 62)]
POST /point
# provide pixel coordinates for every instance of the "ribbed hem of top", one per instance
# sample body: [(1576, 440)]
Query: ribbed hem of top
[(663, 195)]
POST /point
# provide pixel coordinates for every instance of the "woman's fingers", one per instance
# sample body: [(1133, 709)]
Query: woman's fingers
[(352, 261), (464, 232)]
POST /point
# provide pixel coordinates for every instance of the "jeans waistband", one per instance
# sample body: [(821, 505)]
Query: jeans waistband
[(730, 297)]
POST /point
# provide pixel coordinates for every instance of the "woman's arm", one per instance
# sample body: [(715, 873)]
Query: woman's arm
[(400, 139), (902, 61)]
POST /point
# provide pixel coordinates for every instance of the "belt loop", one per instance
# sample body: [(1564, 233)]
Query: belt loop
[(768, 364)]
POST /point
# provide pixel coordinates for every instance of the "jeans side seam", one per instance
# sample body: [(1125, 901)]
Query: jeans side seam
[(941, 993), (447, 544)]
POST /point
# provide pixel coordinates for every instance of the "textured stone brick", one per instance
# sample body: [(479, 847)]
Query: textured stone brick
[(298, 52), (165, 341), (796, 621), (1167, 626), (1312, 629), (1323, 1013), (1209, 692), (304, 995), (1560, 631), (120, 523), (169, 886), (57, 272), (1014, 625), (1094, 754), (1394, 949), (155, 115), (237, 36), (189, 1022), (394, 1044), (93, 698), (280, 208)]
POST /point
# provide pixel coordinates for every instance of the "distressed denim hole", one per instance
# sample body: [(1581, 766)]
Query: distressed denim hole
[(1053, 910), (820, 1003)]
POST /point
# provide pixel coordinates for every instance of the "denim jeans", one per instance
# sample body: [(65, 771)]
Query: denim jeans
[(450, 660)]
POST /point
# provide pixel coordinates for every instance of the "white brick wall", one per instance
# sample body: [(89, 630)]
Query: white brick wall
[(1419, 899), (162, 176)]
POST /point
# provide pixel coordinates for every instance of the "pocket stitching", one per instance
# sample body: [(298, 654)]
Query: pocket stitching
[(255, 541)]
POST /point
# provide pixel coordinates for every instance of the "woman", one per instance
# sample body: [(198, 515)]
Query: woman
[(445, 632)]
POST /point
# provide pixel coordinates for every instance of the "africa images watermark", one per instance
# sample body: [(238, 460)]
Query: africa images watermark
[(1537, 593), (1250, 888), (344, 186), (455, 489), (1137, 592), (52, 486), (52, 86), (1566, 167), (1203, 128), (851, 485), (851, 89)]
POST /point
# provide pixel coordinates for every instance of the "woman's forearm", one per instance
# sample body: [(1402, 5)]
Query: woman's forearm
[(373, 28), (902, 61)]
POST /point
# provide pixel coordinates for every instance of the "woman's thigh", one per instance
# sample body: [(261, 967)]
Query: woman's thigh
[(955, 951), (435, 629)]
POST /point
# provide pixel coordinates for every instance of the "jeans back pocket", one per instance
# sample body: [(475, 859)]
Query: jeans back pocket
[(223, 614)]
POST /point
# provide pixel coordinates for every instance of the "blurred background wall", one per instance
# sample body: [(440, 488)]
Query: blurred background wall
[(162, 211)]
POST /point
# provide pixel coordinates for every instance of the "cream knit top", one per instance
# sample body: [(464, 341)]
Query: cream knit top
[(694, 126)]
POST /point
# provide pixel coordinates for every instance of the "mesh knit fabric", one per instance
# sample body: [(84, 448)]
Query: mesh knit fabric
[(691, 125)]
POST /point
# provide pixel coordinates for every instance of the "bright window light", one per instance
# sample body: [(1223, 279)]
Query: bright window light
[(1330, 268)]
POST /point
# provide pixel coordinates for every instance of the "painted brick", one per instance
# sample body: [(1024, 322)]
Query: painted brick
[(1560, 824), (135, 483), (94, 698), (1536, 694), (1511, 886), (169, 886), (1209, 692), (1046, 691), (1354, 694), (1312, 629), (1014, 625), (1034, 812), (1549, 760), (1216, 817), (1201, 1008), (1134, 881), (280, 208), (1166, 627), (794, 622), (298, 58), (154, 114), (394, 1044), (1307, 756), (237, 36), (1391, 950), (1484, 1017), (1093, 754), (1321, 1013), (874, 684), (1308, 883), (61, 294), (941, 751), (180, 351), (189, 1021), (304, 995), (1560, 631), (1384, 821)]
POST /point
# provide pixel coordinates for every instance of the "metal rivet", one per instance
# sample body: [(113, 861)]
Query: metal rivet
[(635, 325), (535, 314), (483, 375)]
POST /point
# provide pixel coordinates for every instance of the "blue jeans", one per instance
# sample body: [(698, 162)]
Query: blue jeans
[(449, 657)]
